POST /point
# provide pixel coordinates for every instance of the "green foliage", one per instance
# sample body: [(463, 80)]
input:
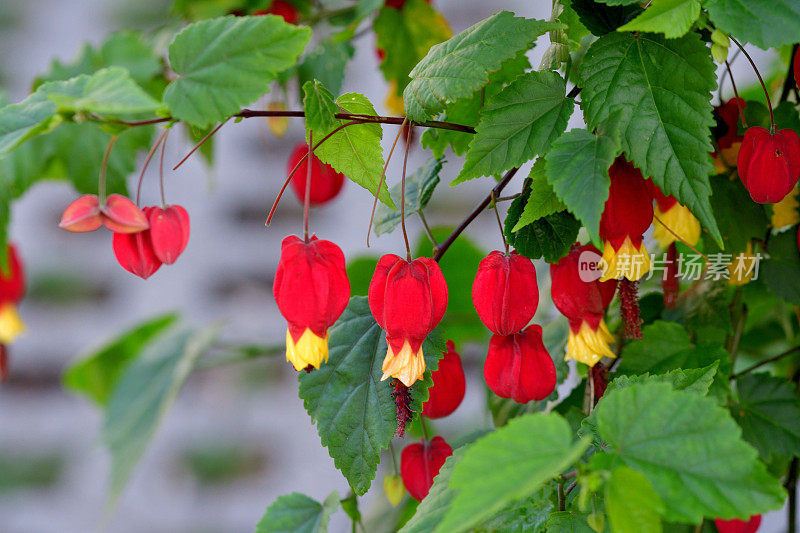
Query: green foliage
[(697, 380), (419, 189), (780, 269), (631, 502), (739, 218), (601, 19), (673, 18), (765, 23), (297, 513), (326, 63), (568, 522), (437, 503), (542, 200)]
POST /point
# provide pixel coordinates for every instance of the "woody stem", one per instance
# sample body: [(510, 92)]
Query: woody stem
[(763, 85)]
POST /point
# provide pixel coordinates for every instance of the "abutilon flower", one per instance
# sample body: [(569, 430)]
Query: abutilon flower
[(420, 463), (134, 251), (785, 213), (12, 289), (582, 298), (312, 290), (448, 387), (407, 299), (505, 292), (675, 216), (519, 367), (627, 214), (118, 214), (394, 489), (769, 163), (169, 232), (325, 181), (738, 526), (283, 9), (726, 133)]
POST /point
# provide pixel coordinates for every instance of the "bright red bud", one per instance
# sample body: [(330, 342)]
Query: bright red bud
[(420, 463), (505, 292), (407, 299), (448, 385), (282, 9), (769, 164), (134, 252), (738, 526), (169, 232), (325, 181), (519, 367)]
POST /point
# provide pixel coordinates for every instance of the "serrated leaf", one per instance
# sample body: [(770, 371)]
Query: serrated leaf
[(781, 270), (697, 380), (109, 91), (542, 200), (228, 62), (568, 522), (632, 505), (419, 188), (436, 504), (673, 18), (526, 516), (511, 463), (690, 450), (601, 19), (461, 65), (665, 135), (297, 513), (738, 217), (19, 122), (765, 23), (768, 410), (517, 124)]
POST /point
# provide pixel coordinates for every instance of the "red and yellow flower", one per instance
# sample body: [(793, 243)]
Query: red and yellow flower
[(505, 292), (672, 219)]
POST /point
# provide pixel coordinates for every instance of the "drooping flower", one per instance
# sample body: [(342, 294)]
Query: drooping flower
[(738, 526), (12, 289), (407, 299), (420, 463), (518, 366), (582, 298), (785, 213), (169, 232), (769, 163), (394, 489), (134, 251), (312, 290), (118, 214), (671, 215), (627, 214), (325, 181), (448, 387), (726, 133), (505, 292)]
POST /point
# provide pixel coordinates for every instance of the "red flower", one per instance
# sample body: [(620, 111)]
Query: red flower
[(769, 164), (420, 463), (519, 367), (282, 9), (738, 526), (407, 299), (118, 214), (134, 251), (448, 386), (312, 290), (672, 218), (325, 181), (505, 293), (169, 232), (12, 289)]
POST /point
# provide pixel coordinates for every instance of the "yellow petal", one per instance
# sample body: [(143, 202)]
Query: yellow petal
[(627, 262), (680, 220), (277, 125), (308, 350), (588, 346), (405, 365), (785, 213), (11, 325), (743, 267)]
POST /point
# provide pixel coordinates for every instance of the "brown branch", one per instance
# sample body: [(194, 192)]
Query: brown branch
[(772, 359)]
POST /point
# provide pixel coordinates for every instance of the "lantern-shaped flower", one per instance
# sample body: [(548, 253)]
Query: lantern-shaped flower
[(738, 526), (134, 251), (627, 214), (325, 181), (448, 385), (169, 232), (505, 292), (727, 133), (420, 463), (407, 299), (769, 163), (12, 289), (582, 298), (670, 215), (312, 290), (519, 367), (785, 213)]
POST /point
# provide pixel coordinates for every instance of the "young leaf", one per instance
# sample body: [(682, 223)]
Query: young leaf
[(461, 65), (665, 136), (765, 23), (697, 380), (437, 503), (632, 505), (511, 463), (297, 513), (542, 200), (673, 18), (226, 63), (517, 124), (419, 189), (690, 450), (781, 270)]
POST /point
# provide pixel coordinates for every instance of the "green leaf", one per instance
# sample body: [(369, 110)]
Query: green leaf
[(542, 200), (697, 380), (517, 124), (781, 270), (768, 410), (96, 374), (437, 503), (355, 151), (110, 91), (765, 23), (568, 522), (19, 122), (739, 218), (297, 513), (419, 189), (665, 136), (511, 463), (143, 395), (326, 63), (673, 18), (226, 63), (632, 505), (577, 168), (690, 450), (619, 2), (526, 516), (601, 19), (461, 65)]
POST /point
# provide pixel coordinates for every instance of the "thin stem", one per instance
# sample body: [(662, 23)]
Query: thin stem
[(698, 252), (724, 74), (403, 194), (202, 141), (382, 181), (307, 196), (161, 171), (772, 359), (508, 198), (146, 163), (499, 222), (562, 498), (763, 85), (394, 458), (428, 231), (101, 187), (424, 427), (736, 94), (572, 486)]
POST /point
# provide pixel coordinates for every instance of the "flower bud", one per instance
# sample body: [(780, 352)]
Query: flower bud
[(519, 367), (118, 214), (312, 290), (505, 293), (738, 526), (325, 181), (134, 251), (448, 385), (394, 489), (169, 232), (420, 463), (769, 164), (407, 299)]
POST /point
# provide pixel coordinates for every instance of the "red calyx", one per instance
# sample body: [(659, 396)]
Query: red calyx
[(420, 463), (519, 367), (769, 164), (448, 387), (628, 212), (311, 286), (282, 9), (727, 132), (505, 292), (738, 526), (325, 181), (663, 201), (118, 214), (580, 300), (169, 232), (12, 284), (408, 299), (134, 251)]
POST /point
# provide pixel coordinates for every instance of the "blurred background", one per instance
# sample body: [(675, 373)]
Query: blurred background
[(238, 436)]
